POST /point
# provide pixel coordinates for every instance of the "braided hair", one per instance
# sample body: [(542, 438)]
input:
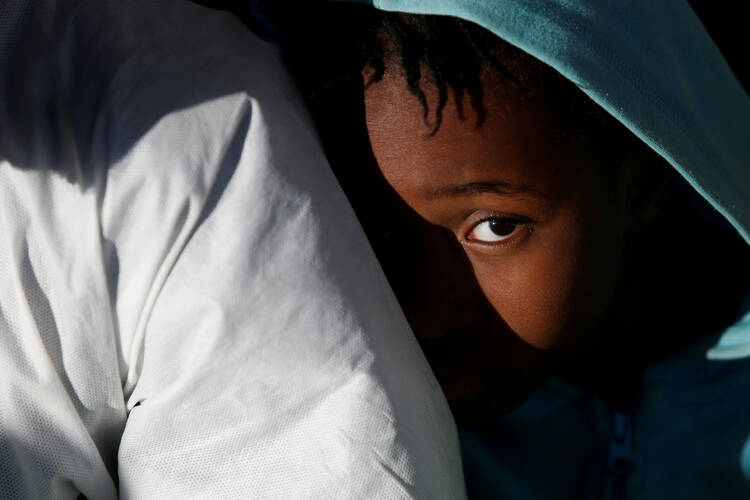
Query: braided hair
[(340, 49), (453, 52), (449, 53)]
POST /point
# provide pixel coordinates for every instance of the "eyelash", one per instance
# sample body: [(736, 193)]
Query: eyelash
[(522, 224)]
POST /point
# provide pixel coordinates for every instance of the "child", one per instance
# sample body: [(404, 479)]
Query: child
[(544, 255)]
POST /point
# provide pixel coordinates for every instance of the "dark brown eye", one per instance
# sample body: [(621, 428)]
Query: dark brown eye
[(494, 229)]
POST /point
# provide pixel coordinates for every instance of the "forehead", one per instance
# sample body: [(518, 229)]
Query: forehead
[(517, 144)]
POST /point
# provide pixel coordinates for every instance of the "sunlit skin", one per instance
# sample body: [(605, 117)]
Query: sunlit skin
[(538, 217), (547, 242)]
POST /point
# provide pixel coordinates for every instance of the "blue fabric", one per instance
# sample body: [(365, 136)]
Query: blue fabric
[(733, 344), (689, 439), (653, 66)]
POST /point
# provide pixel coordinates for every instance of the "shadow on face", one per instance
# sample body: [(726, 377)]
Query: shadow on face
[(508, 244), (483, 366)]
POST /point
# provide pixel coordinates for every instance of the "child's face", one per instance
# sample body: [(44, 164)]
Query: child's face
[(538, 216)]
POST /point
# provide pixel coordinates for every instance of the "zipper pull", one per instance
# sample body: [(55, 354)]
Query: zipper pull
[(621, 443)]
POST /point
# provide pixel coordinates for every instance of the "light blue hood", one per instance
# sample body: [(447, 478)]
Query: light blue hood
[(666, 81)]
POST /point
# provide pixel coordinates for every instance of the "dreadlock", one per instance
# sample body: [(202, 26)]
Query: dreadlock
[(448, 53), (339, 49), (338, 44), (453, 52)]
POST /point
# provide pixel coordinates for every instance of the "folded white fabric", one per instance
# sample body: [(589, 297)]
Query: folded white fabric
[(188, 306)]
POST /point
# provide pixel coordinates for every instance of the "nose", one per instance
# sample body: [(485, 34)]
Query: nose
[(484, 369), (444, 295)]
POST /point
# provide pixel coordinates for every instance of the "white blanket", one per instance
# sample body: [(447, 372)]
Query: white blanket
[(188, 306)]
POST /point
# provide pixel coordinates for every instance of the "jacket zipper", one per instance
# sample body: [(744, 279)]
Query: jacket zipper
[(620, 452)]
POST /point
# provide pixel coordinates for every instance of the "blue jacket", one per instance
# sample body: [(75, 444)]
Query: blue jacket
[(668, 83)]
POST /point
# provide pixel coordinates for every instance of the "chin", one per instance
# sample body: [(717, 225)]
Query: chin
[(482, 396)]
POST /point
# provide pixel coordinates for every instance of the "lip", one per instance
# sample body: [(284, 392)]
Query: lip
[(483, 372), (480, 391), (455, 369), (462, 385), (461, 360), (452, 345), (461, 352), (471, 376), (478, 397)]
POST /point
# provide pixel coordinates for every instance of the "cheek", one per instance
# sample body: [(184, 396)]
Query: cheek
[(558, 286), (533, 294)]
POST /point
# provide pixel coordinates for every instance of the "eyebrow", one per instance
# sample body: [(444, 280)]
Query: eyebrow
[(476, 188)]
